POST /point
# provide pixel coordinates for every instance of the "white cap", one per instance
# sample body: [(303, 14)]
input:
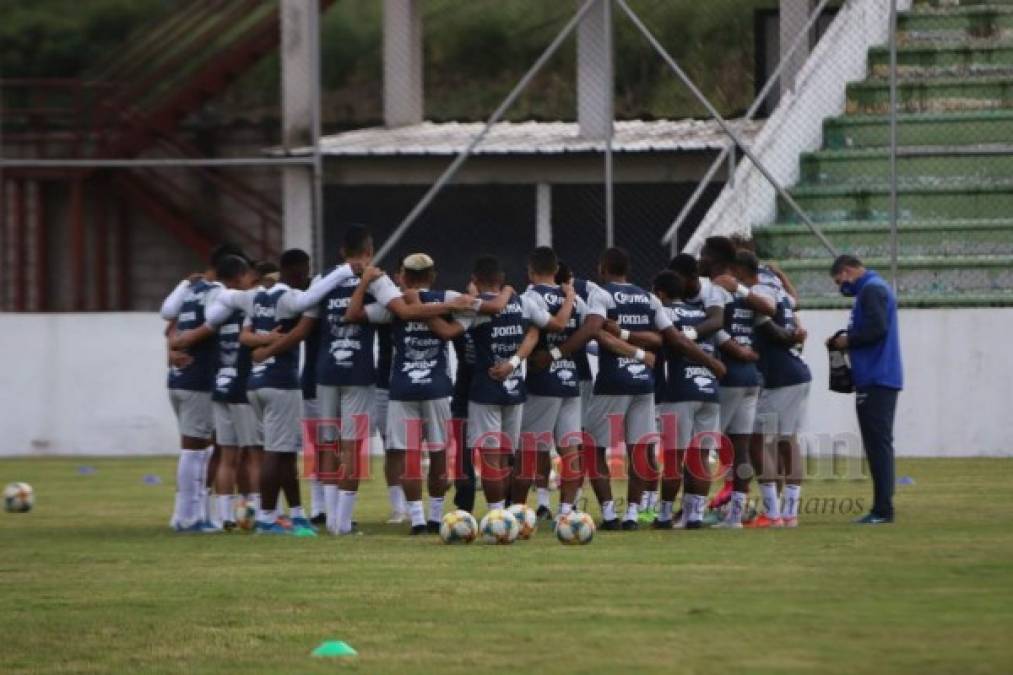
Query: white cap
[(418, 262)]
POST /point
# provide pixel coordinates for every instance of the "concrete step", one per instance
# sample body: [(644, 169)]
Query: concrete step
[(871, 239), (938, 279), (932, 94), (951, 24), (917, 300), (949, 4), (944, 60), (954, 128), (932, 199), (871, 166)]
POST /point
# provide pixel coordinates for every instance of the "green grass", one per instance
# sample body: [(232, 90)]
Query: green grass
[(93, 581)]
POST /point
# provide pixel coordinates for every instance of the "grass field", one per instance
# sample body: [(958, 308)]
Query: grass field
[(93, 581)]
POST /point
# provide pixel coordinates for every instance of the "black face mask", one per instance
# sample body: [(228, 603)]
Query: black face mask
[(847, 289)]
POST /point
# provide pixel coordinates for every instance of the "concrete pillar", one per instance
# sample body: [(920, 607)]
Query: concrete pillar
[(300, 96), (793, 17), (543, 214), (595, 75), (403, 100)]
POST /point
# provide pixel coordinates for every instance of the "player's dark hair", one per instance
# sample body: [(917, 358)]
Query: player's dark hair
[(487, 270), (748, 261), (564, 274), (543, 260), (356, 240), (743, 242), (720, 249), (293, 257), (231, 267), (669, 283), (225, 249), (685, 265), (615, 261), (263, 267), (842, 261)]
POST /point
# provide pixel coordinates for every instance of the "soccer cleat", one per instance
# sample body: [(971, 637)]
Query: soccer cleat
[(761, 522), (750, 515), (610, 525), (319, 519), (543, 513), (397, 517), (872, 519), (284, 522), (433, 526), (694, 525), (727, 525), (659, 524), (790, 521), (229, 525), (419, 529), (269, 528), (630, 525), (304, 524), (647, 516), (181, 528), (712, 518), (207, 527)]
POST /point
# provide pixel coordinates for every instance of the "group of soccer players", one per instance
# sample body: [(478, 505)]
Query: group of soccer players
[(265, 361)]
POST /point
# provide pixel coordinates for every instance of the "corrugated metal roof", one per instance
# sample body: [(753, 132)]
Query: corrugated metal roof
[(529, 138)]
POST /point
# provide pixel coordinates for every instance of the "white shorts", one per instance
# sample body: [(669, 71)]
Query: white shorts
[(738, 409), (236, 424), (381, 397), (586, 396), (637, 414), (311, 409), (694, 418), (782, 411), (488, 424), (552, 415), (193, 412), (278, 413), (350, 405), (434, 415)]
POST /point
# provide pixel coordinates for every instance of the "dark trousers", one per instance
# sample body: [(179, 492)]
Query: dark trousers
[(464, 485), (876, 407)]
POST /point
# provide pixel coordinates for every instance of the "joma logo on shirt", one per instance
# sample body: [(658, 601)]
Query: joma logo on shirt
[(506, 331), (338, 303), (632, 320), (624, 298), (262, 311)]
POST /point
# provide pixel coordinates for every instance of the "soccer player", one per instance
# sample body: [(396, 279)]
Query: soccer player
[(739, 388), (624, 387), (551, 416), (190, 381), (234, 422), (420, 384), (464, 477), (781, 407), (497, 394)]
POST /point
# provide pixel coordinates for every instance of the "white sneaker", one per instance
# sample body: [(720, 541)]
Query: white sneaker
[(397, 517)]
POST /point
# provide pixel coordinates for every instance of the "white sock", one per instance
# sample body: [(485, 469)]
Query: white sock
[(631, 512), (205, 502), (346, 509), (543, 497), (501, 504), (267, 516), (416, 513), (331, 506), (697, 505), (318, 502), (608, 510), (792, 497), (398, 504), (565, 509), (771, 504), (737, 506), (188, 474), (296, 512), (225, 509), (666, 511), (687, 508), (253, 501), (436, 509)]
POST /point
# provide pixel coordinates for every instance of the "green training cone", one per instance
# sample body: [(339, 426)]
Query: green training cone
[(334, 648)]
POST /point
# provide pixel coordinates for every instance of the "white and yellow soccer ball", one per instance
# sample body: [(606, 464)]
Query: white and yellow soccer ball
[(527, 521), (499, 527), (575, 528), (458, 527), (18, 498)]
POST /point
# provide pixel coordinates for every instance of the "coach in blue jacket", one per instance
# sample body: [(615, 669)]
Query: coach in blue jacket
[(873, 343)]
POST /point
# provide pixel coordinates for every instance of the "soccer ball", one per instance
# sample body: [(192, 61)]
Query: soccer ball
[(458, 527), (18, 498), (527, 521), (575, 528), (499, 527)]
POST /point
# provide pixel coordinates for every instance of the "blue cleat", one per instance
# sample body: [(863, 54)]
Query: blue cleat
[(301, 527), (872, 519), (269, 528)]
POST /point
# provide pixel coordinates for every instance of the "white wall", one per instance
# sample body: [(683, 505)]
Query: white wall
[(95, 384)]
